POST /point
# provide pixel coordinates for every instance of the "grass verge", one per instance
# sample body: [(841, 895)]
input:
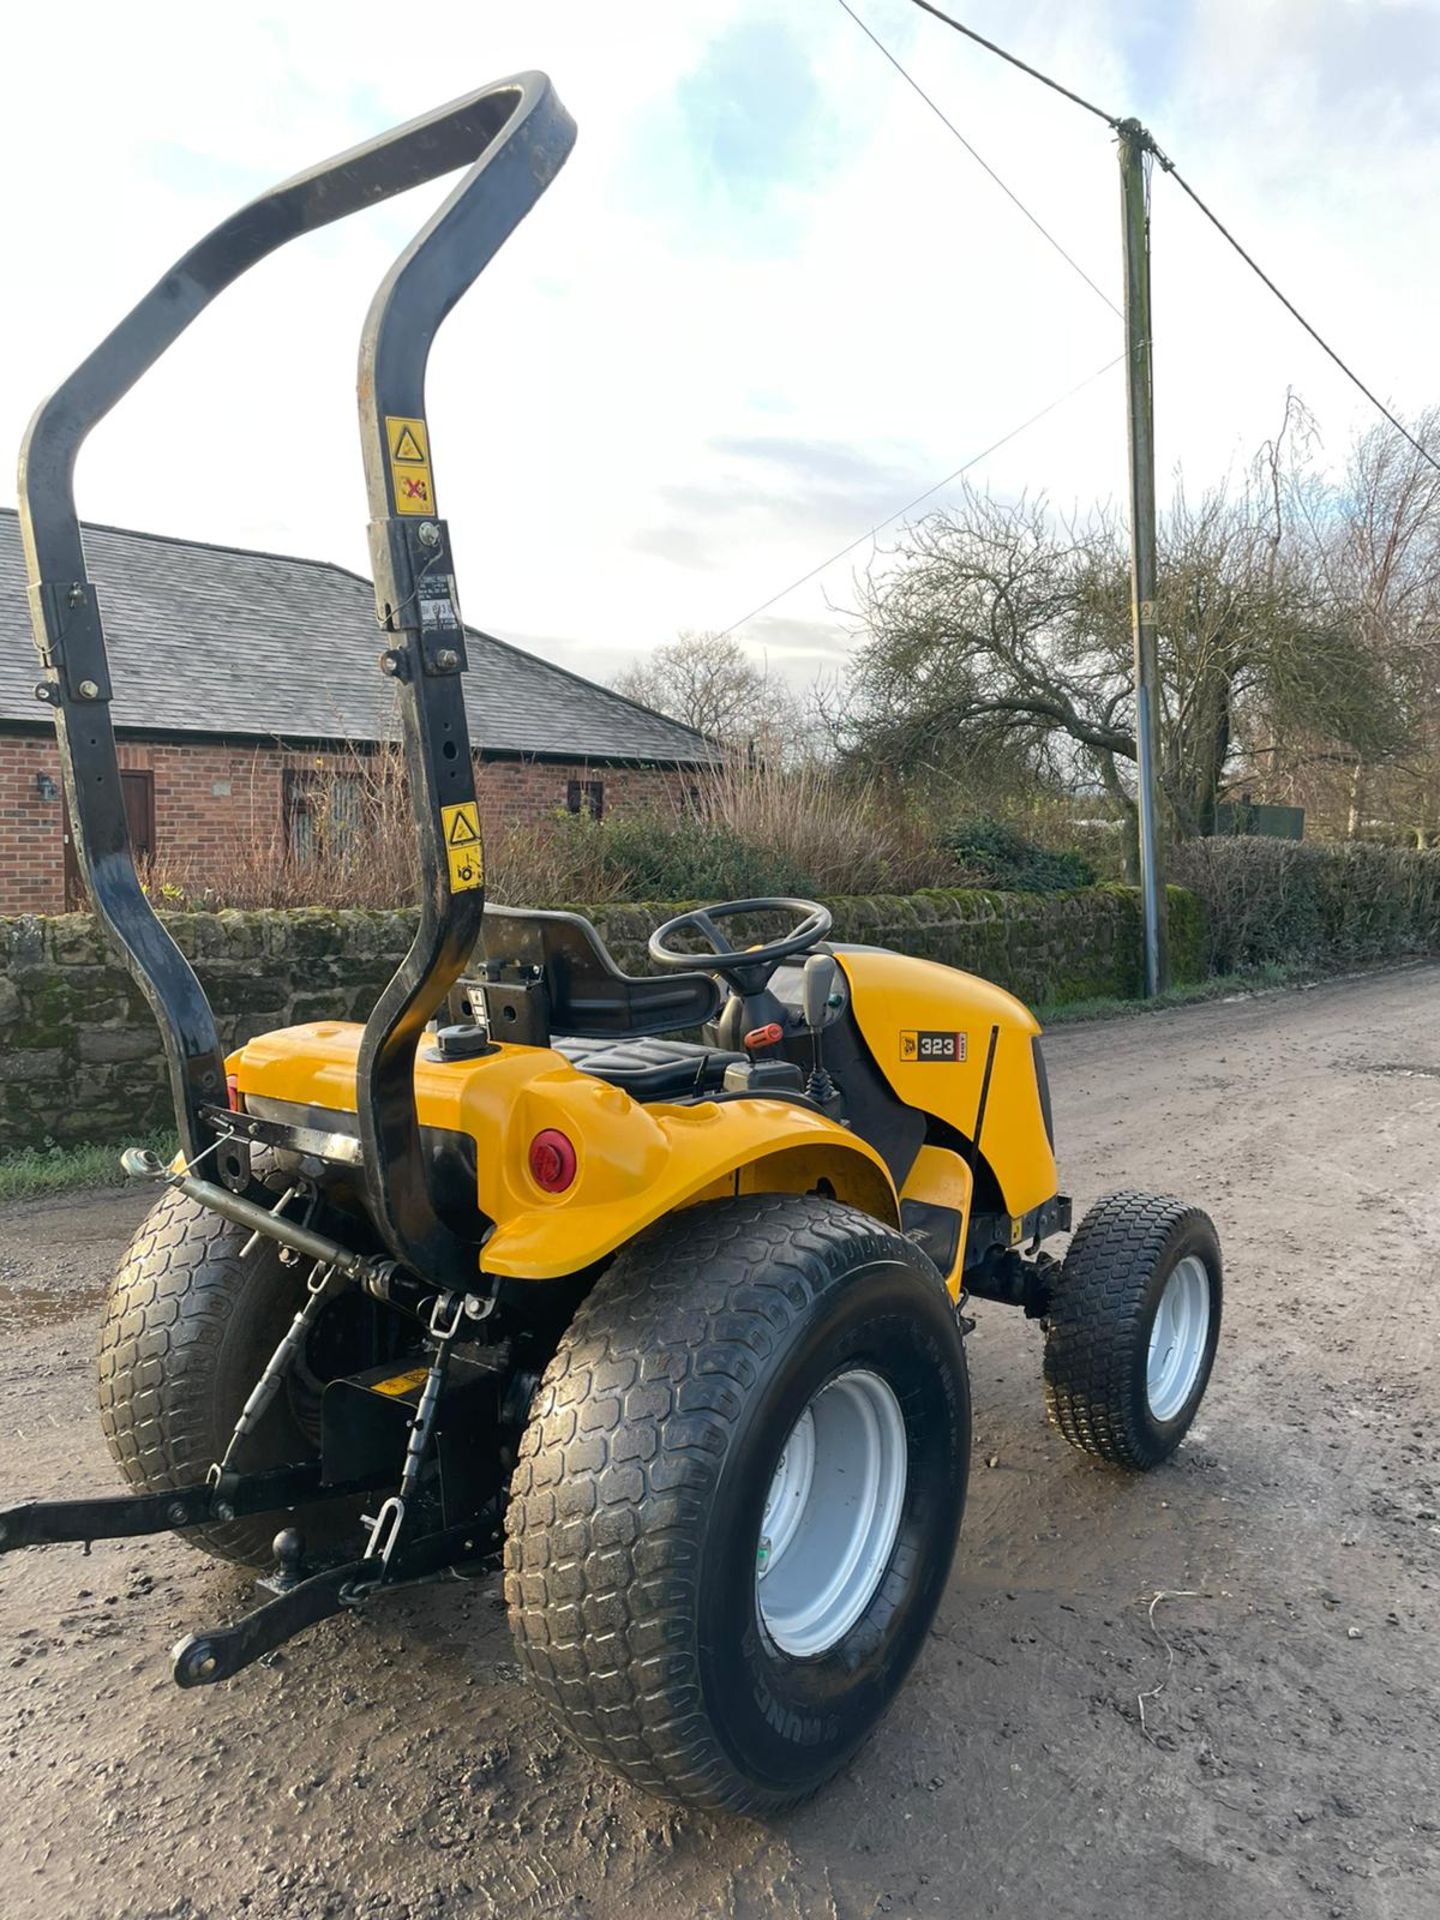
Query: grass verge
[(29, 1172), (1222, 986)]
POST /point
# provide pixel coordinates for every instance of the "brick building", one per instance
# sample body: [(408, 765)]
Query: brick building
[(245, 683)]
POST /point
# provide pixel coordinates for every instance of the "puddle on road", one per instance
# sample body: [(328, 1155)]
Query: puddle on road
[(23, 1308)]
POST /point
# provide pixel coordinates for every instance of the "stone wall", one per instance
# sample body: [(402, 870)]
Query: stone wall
[(80, 1057)]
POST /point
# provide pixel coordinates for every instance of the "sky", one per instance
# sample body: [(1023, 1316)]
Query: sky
[(768, 300)]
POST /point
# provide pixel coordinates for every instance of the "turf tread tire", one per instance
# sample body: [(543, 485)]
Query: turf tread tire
[(187, 1328), (627, 1434), (1098, 1314)]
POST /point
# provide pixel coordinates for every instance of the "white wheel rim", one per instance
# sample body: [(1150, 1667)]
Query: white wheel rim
[(1178, 1338), (832, 1514)]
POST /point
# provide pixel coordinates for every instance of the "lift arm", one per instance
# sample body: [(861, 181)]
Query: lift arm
[(513, 136)]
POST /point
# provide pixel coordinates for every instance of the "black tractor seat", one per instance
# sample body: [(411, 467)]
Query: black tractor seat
[(648, 1068), (548, 980)]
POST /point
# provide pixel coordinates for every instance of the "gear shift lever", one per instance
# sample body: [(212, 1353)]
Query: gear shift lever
[(818, 983)]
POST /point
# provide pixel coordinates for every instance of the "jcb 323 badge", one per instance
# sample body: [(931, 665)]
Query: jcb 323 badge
[(928, 1044)]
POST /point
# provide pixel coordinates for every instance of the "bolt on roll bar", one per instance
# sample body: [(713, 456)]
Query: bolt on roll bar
[(513, 135)]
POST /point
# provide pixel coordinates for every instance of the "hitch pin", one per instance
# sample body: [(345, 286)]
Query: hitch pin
[(278, 1208)]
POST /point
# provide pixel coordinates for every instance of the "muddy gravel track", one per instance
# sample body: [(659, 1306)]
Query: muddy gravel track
[(1214, 1691)]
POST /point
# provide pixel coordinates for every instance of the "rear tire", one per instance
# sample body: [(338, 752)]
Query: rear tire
[(187, 1331), (650, 1506), (1132, 1328)]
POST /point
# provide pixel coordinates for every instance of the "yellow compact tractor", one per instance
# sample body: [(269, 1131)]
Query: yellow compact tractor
[(674, 1326)]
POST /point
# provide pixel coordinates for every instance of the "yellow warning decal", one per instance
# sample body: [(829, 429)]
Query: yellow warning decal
[(410, 482), (462, 846), (402, 1383)]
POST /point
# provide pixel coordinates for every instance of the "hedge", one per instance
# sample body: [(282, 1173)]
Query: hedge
[(1280, 901)]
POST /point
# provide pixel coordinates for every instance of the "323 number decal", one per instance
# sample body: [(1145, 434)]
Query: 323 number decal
[(920, 1045)]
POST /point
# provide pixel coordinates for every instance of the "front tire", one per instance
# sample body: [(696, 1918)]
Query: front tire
[(723, 1628), (1132, 1328)]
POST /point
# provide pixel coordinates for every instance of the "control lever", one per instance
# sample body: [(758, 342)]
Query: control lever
[(817, 986)]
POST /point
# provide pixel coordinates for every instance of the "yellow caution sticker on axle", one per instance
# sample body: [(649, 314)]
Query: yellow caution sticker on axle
[(461, 827), (400, 1384), (410, 482)]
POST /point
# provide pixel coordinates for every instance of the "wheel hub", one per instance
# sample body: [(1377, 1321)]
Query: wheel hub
[(832, 1513), (1178, 1338)]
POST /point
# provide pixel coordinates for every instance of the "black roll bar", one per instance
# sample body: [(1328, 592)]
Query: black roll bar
[(514, 135)]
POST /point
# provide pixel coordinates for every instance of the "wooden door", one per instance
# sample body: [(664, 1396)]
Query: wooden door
[(138, 789)]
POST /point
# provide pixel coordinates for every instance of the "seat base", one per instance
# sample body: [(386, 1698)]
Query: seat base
[(650, 1069)]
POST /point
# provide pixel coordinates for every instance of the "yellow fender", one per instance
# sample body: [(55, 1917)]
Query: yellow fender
[(634, 1163)]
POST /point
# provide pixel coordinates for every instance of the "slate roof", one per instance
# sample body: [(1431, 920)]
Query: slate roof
[(223, 640)]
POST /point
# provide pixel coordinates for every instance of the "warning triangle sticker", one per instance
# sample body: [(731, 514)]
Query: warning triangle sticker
[(464, 830), (408, 448)]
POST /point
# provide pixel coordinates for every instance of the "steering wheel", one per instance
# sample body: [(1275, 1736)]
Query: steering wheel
[(747, 970)]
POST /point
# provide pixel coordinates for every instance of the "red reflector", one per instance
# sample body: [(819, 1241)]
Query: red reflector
[(767, 1036), (552, 1161), (232, 1092)]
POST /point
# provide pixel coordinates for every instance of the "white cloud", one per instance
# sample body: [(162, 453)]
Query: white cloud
[(680, 387)]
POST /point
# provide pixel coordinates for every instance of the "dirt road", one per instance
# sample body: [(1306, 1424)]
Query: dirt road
[(1288, 1763)]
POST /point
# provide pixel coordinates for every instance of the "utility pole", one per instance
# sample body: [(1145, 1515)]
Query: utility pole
[(1135, 143)]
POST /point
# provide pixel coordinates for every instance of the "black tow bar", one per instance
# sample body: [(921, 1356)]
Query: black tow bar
[(203, 1658), (46, 1523), (219, 1653)]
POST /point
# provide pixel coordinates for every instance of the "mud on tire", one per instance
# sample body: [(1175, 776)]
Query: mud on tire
[(631, 1570)]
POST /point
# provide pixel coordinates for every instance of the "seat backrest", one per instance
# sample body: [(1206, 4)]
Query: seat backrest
[(586, 993)]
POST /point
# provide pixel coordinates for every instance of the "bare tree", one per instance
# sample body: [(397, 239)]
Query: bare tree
[(1389, 563), (997, 626), (699, 679), (711, 684)]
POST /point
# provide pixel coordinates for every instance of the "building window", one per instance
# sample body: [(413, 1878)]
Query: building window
[(586, 796), (324, 813)]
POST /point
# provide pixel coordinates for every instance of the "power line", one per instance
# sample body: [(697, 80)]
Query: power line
[(910, 505), (1292, 309), (979, 159), (1132, 129), (1016, 61)]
